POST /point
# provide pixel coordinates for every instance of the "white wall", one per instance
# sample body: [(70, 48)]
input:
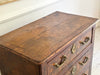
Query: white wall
[(20, 7), (19, 13)]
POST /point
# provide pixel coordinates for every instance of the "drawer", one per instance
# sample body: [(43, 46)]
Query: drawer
[(83, 63), (79, 44), (69, 53), (58, 63), (86, 71), (83, 41), (74, 70)]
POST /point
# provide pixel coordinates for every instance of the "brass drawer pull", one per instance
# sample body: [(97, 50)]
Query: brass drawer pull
[(74, 48), (84, 61), (63, 59), (85, 41), (73, 70), (85, 74)]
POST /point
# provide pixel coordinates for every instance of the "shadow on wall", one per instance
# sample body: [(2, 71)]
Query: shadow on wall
[(89, 8)]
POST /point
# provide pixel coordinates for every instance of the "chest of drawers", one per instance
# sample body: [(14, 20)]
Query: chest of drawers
[(58, 44)]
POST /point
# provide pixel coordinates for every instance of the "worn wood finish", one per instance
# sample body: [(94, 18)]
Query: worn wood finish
[(11, 64), (41, 38), (80, 69), (35, 48), (86, 71), (77, 59), (68, 52)]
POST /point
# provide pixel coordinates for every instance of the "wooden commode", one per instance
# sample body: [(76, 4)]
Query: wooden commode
[(58, 44)]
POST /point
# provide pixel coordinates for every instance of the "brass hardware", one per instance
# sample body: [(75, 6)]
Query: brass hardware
[(85, 41), (85, 74), (73, 70), (73, 50), (84, 61), (82, 43), (63, 59)]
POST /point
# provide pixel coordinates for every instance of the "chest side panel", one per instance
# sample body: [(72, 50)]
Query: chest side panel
[(11, 64)]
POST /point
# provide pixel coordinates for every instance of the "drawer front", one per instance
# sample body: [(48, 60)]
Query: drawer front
[(77, 71), (83, 41), (86, 71), (58, 63), (67, 55), (82, 64)]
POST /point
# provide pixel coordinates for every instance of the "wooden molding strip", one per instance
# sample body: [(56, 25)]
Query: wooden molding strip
[(6, 1), (26, 11)]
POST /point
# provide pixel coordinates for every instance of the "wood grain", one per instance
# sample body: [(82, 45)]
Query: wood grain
[(34, 48), (87, 52), (38, 40), (67, 51), (11, 64)]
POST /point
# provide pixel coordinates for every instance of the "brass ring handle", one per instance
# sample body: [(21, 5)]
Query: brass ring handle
[(63, 59), (85, 41), (73, 49), (73, 70), (84, 61)]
